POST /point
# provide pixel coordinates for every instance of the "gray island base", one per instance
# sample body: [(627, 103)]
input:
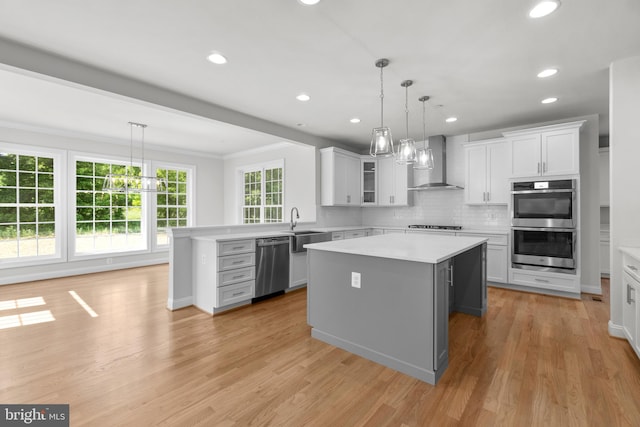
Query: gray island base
[(388, 298)]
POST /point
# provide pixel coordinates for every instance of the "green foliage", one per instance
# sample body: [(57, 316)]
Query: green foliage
[(26, 179), (45, 164), (8, 195), (8, 215), (27, 163), (45, 180), (8, 161), (7, 179)]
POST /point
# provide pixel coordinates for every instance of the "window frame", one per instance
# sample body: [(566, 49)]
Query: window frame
[(71, 189), (153, 206), (241, 170), (59, 202)]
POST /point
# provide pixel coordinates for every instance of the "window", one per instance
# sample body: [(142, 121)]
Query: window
[(172, 207), (263, 193), (27, 205), (106, 222)]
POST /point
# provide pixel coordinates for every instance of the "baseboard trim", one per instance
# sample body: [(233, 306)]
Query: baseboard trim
[(616, 330), (77, 271), (591, 289), (176, 304)]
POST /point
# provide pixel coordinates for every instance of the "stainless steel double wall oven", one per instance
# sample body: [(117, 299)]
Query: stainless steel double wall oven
[(544, 225)]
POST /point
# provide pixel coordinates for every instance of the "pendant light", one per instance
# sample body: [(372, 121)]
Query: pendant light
[(381, 140), (131, 182), (424, 156), (407, 148)]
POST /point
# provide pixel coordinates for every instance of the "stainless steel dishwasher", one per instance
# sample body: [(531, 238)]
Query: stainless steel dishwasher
[(272, 266)]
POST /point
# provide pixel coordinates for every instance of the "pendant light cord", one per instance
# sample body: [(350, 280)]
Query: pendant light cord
[(424, 126), (406, 108), (381, 97)]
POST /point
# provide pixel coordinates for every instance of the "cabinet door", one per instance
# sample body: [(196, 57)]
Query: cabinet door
[(560, 152), (525, 156), (386, 184), (401, 184), (441, 285), (475, 175), (629, 310), (352, 180), (341, 164), (368, 181), (497, 263), (498, 173), (604, 178)]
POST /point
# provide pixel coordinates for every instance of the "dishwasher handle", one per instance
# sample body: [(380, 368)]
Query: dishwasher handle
[(270, 242)]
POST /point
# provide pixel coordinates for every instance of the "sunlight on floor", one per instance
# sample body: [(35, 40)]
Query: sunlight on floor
[(83, 304), (21, 303), (26, 319)]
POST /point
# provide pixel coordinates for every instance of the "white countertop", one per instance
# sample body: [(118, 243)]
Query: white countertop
[(410, 247), (632, 252)]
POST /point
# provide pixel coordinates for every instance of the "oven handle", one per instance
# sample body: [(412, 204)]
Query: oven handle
[(572, 230), (565, 190)]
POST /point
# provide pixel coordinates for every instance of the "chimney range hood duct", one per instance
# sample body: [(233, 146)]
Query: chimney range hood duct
[(436, 178)]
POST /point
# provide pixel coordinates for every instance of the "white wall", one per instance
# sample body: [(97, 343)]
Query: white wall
[(299, 179), (624, 146), (209, 195)]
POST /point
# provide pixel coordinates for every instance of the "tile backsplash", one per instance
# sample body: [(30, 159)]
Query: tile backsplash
[(439, 207)]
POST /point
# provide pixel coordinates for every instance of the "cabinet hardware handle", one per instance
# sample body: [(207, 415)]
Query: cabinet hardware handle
[(236, 248), (538, 167), (484, 196), (544, 167), (237, 262), (541, 280), (239, 277), (451, 276), (629, 289), (631, 267), (348, 199), (488, 196)]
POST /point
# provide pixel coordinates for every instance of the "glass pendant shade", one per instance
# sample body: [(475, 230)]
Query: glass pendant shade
[(424, 156), (133, 180), (406, 152), (424, 159), (381, 142)]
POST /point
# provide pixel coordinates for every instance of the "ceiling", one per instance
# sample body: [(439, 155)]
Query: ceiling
[(477, 60)]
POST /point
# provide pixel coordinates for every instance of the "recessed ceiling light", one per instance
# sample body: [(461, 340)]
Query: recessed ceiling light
[(549, 100), (355, 120), (303, 97), (544, 8), (451, 119), (217, 58), (547, 73), (309, 2)]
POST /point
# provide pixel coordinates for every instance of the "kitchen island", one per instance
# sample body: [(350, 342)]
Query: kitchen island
[(387, 298)]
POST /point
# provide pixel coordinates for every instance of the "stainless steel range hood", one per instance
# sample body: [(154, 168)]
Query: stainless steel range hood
[(436, 178)]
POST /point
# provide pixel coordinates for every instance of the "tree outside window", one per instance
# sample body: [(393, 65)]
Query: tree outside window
[(263, 195)]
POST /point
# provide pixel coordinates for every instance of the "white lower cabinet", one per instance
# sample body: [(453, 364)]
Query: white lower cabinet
[(560, 282), (297, 269), (497, 256), (224, 273), (630, 293)]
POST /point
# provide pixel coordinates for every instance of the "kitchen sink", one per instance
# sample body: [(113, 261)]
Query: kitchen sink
[(299, 238)]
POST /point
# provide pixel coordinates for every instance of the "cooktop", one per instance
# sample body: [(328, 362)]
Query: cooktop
[(436, 227)]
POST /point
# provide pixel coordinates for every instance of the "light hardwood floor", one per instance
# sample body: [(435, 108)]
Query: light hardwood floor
[(532, 360)]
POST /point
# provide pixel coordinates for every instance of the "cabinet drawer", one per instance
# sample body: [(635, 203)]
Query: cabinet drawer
[(233, 247), (494, 239), (236, 293), (232, 262), (564, 284), (352, 234), (631, 265), (337, 235), (432, 233), (234, 276)]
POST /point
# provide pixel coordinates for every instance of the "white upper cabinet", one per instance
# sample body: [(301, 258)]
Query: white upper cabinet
[(604, 177), (369, 181), (487, 172), (545, 151), (340, 177), (393, 182)]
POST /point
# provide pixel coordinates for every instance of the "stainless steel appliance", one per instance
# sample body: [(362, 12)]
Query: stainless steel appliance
[(544, 249), (272, 266), (544, 204), (436, 178), (435, 227), (543, 225)]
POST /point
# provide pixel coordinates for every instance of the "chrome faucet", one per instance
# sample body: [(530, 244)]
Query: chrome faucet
[(293, 222)]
